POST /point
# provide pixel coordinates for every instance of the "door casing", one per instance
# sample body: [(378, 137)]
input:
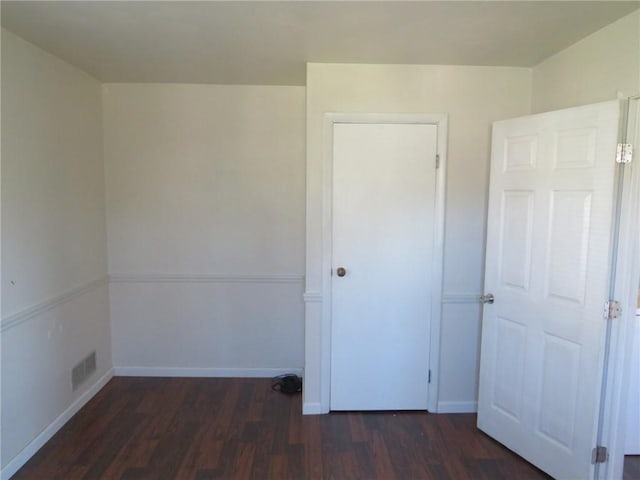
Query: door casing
[(441, 121), (613, 427)]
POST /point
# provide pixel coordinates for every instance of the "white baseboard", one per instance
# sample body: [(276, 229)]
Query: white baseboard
[(457, 407), (315, 408), (203, 372), (27, 452), (312, 408)]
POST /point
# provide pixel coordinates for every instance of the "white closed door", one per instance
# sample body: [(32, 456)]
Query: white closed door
[(383, 228), (548, 265)]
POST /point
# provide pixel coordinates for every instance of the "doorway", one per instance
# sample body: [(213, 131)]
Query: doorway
[(383, 228), (399, 265)]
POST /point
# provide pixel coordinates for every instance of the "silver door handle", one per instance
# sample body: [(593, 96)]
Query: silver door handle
[(488, 298)]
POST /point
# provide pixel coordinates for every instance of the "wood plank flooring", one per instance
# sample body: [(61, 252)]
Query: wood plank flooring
[(185, 428)]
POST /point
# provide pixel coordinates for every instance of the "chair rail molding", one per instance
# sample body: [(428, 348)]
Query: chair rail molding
[(28, 313), (204, 278), (312, 297)]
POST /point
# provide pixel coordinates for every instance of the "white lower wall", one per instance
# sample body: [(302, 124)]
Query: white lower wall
[(40, 346), (207, 325), (460, 359)]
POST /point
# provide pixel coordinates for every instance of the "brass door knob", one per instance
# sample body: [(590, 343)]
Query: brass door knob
[(341, 271)]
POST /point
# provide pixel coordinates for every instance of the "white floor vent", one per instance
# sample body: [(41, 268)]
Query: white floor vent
[(83, 370)]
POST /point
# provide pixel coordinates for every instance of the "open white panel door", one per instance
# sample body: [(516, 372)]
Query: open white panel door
[(548, 265)]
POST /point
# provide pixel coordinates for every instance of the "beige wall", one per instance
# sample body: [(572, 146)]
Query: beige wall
[(473, 97), (600, 67), (54, 262), (53, 206), (205, 189)]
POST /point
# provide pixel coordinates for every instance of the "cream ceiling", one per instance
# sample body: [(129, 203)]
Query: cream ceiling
[(240, 42)]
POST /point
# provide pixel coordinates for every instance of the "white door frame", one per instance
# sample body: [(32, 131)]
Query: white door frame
[(626, 290), (440, 120)]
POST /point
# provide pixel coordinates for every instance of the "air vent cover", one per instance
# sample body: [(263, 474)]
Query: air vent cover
[(83, 370)]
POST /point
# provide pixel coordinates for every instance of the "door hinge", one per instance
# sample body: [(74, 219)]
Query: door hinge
[(599, 455), (429, 379), (612, 310), (437, 161), (624, 153)]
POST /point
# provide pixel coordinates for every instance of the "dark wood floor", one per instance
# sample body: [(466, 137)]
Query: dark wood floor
[(161, 428)]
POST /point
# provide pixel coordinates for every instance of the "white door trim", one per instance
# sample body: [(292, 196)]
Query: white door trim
[(626, 290), (440, 120)]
